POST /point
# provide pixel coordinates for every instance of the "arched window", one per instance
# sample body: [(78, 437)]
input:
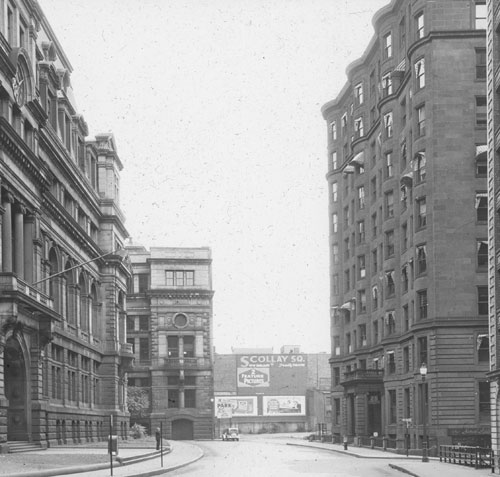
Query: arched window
[(93, 311), (68, 295), (82, 304), (53, 289)]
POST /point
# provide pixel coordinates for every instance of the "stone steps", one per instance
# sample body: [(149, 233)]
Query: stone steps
[(23, 446)]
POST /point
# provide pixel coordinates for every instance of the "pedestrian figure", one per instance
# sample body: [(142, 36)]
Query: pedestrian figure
[(158, 438)]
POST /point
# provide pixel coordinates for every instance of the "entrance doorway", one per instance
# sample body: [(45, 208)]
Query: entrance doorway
[(15, 391), (374, 414), (182, 430)]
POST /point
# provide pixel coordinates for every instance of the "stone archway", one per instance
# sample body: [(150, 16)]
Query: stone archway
[(182, 430), (15, 391)]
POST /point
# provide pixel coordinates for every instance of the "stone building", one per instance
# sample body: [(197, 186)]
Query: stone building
[(169, 325), (493, 87), (408, 229), (63, 355)]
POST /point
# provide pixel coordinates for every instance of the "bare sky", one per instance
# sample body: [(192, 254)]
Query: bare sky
[(215, 108)]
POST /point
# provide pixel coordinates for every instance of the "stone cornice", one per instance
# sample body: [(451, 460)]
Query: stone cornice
[(23, 155), (184, 293)]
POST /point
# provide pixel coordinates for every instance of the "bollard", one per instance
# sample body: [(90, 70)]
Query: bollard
[(345, 442)]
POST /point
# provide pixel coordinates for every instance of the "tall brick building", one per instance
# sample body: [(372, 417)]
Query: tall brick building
[(63, 355), (493, 85), (169, 325), (408, 229)]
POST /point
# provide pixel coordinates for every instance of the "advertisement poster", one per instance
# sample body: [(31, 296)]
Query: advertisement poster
[(272, 360), (253, 378), (284, 405), (240, 405)]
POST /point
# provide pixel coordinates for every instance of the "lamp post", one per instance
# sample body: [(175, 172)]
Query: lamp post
[(423, 373)]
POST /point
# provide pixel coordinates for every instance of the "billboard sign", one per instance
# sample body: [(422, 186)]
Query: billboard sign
[(272, 360), (284, 405), (253, 378), (235, 406)]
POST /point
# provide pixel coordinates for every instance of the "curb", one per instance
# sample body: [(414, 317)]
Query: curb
[(119, 463), (402, 469), (352, 454)]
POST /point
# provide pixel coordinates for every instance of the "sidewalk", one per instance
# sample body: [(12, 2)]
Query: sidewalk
[(140, 462), (411, 465)]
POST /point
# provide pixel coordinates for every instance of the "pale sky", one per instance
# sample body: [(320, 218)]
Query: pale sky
[(215, 107)]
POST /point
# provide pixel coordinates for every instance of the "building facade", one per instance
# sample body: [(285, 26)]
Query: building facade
[(170, 328), (493, 86), (260, 391), (408, 229), (63, 354)]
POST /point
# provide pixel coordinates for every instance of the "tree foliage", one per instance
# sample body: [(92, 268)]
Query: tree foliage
[(137, 401)]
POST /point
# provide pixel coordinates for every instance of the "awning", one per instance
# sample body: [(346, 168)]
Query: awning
[(401, 66), (348, 169), (359, 158), (481, 151), (407, 178)]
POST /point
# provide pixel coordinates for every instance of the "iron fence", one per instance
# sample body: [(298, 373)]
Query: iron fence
[(477, 457)]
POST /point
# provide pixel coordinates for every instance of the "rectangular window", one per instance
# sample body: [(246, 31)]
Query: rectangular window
[(389, 244), (389, 204), (173, 346), (173, 398), (484, 402), (423, 356), (391, 362), (333, 129), (387, 85), (404, 236), (480, 63), (388, 125), (336, 405), (335, 164), (482, 253), (358, 128), (335, 285), (481, 206), (420, 74), (421, 121), (335, 253), (361, 197), (179, 278), (391, 286), (421, 213), (387, 45), (336, 376), (348, 342), (358, 94), (362, 302), (188, 351), (405, 278), (362, 338), (144, 349), (480, 16), (361, 231), (335, 192), (421, 259), (389, 166), (343, 123), (406, 318), (422, 304), (402, 34), (406, 359), (143, 323), (143, 282), (374, 225), (361, 267), (482, 300), (347, 280), (419, 164), (335, 223), (190, 398), (336, 345), (130, 323), (483, 349), (374, 188), (419, 25), (480, 111), (406, 403), (374, 261), (375, 332)]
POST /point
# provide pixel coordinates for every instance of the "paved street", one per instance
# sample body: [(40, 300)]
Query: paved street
[(271, 457)]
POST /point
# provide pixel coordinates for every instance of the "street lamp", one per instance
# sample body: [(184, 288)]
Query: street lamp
[(423, 373)]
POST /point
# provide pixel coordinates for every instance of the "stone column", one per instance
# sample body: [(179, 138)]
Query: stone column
[(29, 228), (7, 235), (19, 241)]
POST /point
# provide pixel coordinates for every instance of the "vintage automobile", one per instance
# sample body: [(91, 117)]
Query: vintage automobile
[(230, 434)]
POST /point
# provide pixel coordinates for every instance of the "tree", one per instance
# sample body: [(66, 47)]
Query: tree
[(137, 401)]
